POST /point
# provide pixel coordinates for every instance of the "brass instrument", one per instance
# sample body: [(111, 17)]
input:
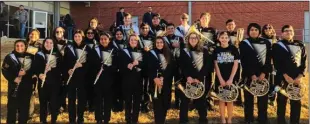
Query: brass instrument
[(227, 93), (258, 88), (293, 91), (239, 38), (193, 90), (47, 64), (203, 38)]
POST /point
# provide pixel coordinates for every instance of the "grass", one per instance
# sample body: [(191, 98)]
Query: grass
[(172, 115)]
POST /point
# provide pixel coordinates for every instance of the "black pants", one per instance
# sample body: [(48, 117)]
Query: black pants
[(81, 96), (18, 104), (118, 100), (62, 96), (272, 81), (132, 98), (200, 105), (281, 108), (103, 102), (249, 107), (160, 111), (90, 96), (3, 28), (145, 97), (48, 97), (177, 92)]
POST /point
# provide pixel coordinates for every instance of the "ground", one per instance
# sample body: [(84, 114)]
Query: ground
[(172, 116)]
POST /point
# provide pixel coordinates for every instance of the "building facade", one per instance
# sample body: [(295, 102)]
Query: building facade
[(275, 13)]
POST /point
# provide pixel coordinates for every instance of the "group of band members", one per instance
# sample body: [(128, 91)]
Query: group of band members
[(104, 72)]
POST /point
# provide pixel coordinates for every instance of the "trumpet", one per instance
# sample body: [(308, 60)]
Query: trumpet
[(227, 93), (239, 38), (258, 88), (193, 90), (47, 64), (75, 64), (293, 91), (157, 89)]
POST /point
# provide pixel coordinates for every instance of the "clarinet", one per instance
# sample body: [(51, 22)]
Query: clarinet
[(17, 85)]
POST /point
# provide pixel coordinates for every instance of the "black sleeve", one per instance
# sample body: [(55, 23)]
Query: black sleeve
[(183, 64), (303, 64), (9, 69), (278, 59), (245, 62), (39, 65), (267, 67), (235, 53)]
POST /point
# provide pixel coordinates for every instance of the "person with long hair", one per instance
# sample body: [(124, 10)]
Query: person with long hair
[(76, 65), (32, 40), (196, 65), (48, 69), (60, 43), (18, 69), (94, 24), (103, 57), (119, 43), (131, 63), (269, 33), (160, 71), (226, 57)]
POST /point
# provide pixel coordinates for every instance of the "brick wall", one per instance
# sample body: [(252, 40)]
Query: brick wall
[(276, 13)]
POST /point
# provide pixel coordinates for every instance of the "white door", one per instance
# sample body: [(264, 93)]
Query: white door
[(40, 22)]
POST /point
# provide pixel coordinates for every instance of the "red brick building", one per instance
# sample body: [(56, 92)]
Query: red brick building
[(275, 13)]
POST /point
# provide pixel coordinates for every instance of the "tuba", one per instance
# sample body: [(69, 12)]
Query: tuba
[(227, 93), (192, 90), (239, 38), (203, 38), (293, 91), (258, 88)]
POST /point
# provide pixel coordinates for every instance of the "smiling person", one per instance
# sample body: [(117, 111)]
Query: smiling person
[(269, 33), (18, 69), (290, 61), (49, 92), (119, 43), (130, 64), (60, 43), (76, 86), (226, 57), (128, 28), (183, 28), (102, 57), (33, 44), (255, 56), (94, 24), (196, 65), (160, 68)]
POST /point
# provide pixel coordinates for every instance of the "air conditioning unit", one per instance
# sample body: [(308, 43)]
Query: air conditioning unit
[(87, 4)]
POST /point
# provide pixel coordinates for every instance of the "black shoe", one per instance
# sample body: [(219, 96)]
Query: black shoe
[(80, 121), (144, 109), (99, 122)]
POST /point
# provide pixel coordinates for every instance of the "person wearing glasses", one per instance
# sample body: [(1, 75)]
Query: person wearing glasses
[(269, 33), (183, 28), (290, 58), (60, 44)]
